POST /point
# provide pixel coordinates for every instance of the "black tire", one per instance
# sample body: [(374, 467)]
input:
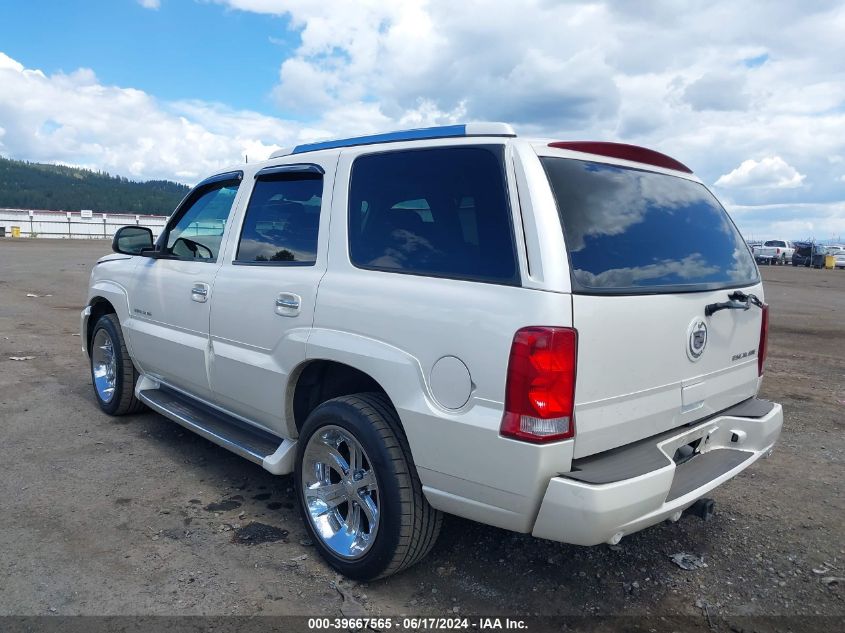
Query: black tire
[(408, 525), (123, 401)]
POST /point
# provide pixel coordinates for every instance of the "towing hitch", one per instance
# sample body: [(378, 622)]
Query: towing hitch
[(703, 509)]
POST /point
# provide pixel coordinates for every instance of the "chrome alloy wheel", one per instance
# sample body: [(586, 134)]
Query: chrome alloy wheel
[(340, 491), (104, 365)]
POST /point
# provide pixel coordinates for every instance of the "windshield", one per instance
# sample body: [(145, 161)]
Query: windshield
[(631, 231)]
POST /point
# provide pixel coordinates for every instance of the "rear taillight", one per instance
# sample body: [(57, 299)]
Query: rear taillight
[(763, 347), (777, 251), (540, 390)]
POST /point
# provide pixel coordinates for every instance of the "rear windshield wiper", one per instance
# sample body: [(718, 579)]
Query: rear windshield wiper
[(738, 301)]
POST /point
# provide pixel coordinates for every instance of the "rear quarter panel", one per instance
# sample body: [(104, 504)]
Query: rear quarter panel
[(397, 326)]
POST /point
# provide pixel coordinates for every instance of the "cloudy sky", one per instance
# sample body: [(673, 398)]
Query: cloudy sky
[(751, 95)]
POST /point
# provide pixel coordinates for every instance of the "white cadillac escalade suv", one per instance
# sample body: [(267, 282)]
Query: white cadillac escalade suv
[(559, 338)]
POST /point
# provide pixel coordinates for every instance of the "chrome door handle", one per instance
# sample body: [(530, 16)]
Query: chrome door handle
[(288, 304), (199, 293)]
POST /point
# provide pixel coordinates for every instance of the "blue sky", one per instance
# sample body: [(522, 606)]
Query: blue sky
[(182, 50), (750, 94)]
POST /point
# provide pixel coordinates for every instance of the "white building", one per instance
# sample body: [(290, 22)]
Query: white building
[(74, 224)]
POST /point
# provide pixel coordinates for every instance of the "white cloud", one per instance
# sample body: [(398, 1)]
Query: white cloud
[(821, 221), (718, 91), (150, 4), (771, 171), (7, 63), (74, 119), (711, 83)]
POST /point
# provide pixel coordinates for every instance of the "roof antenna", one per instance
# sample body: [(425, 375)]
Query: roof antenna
[(246, 158)]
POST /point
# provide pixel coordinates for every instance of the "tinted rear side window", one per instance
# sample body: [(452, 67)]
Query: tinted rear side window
[(282, 220), (633, 231), (441, 212)]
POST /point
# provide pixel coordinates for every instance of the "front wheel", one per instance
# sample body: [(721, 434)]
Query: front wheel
[(359, 492), (112, 372)]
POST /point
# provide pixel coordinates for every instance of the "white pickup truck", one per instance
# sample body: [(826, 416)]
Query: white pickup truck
[(559, 338), (774, 252)]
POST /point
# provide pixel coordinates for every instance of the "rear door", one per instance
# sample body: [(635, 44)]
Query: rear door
[(264, 294), (648, 253)]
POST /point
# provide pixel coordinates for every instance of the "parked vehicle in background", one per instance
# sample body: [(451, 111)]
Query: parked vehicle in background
[(805, 252), (838, 252), (558, 338), (774, 252)]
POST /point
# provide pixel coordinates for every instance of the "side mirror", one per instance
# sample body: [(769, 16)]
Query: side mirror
[(132, 240)]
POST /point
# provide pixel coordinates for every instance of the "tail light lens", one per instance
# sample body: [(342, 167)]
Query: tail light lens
[(763, 347), (540, 391)]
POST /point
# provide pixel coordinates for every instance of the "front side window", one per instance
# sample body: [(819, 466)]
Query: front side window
[(282, 220), (441, 212), (632, 231), (198, 232)]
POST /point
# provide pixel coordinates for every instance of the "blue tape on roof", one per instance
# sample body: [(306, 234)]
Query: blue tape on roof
[(446, 131)]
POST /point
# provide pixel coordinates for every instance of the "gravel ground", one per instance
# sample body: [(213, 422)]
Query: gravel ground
[(137, 516)]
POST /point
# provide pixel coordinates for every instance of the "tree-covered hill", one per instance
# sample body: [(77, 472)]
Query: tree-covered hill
[(25, 185)]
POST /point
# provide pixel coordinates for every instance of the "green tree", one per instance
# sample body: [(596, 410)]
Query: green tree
[(25, 185)]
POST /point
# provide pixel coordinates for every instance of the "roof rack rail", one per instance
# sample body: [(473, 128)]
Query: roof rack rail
[(444, 131)]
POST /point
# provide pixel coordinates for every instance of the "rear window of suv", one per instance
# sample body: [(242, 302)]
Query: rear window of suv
[(630, 231)]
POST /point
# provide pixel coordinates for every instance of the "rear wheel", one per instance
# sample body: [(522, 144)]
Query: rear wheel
[(359, 492), (112, 372)]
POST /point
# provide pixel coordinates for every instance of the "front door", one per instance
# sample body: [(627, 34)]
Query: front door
[(264, 294), (169, 300)]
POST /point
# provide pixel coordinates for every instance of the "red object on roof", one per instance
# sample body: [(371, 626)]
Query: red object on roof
[(624, 151)]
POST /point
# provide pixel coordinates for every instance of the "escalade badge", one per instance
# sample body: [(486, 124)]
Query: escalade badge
[(697, 339)]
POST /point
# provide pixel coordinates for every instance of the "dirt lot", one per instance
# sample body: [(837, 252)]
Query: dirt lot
[(105, 516)]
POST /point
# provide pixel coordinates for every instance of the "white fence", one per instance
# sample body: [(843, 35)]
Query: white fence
[(74, 224)]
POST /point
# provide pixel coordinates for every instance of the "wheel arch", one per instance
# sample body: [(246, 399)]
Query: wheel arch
[(348, 364), (100, 306), (106, 297), (319, 379)]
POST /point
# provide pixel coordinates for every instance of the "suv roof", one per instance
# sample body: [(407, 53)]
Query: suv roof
[(623, 151)]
